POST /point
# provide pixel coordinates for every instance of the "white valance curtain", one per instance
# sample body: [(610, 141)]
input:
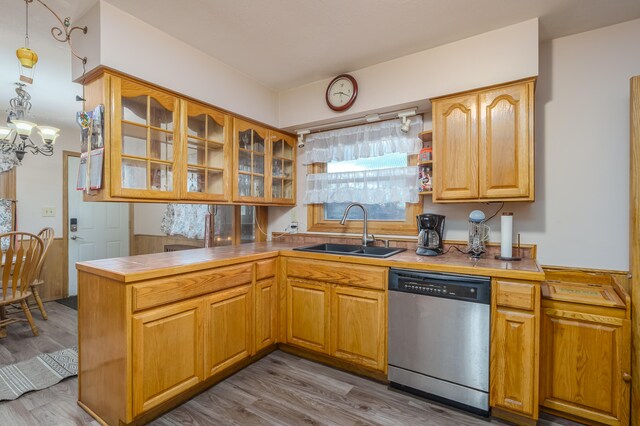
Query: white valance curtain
[(379, 186), (368, 140)]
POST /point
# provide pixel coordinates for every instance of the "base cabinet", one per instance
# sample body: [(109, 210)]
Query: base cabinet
[(167, 353), (308, 315), (228, 328), (515, 327), (266, 313)]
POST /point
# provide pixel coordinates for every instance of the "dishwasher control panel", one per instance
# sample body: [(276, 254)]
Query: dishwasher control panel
[(452, 286), (413, 286)]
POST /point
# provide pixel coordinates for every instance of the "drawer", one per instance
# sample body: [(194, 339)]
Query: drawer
[(515, 295), (180, 287), (338, 273), (265, 269)]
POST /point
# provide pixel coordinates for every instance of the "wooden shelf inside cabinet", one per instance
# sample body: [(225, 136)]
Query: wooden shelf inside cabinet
[(425, 193), (425, 163), (426, 136)]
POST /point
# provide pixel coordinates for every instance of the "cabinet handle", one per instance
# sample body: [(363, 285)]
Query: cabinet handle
[(626, 377)]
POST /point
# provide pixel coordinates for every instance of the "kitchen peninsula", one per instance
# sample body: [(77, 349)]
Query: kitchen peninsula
[(154, 330)]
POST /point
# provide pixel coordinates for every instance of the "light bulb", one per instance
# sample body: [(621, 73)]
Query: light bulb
[(23, 127), (48, 134)]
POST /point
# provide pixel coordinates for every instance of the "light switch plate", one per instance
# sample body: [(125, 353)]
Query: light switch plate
[(48, 212)]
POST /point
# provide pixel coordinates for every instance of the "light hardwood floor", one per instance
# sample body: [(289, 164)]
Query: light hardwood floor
[(280, 389)]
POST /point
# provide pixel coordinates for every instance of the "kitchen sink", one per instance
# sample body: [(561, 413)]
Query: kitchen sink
[(352, 250)]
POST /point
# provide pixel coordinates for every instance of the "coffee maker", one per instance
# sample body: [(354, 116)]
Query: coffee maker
[(431, 227)]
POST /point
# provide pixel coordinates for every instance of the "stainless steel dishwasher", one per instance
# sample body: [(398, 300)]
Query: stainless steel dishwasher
[(439, 328)]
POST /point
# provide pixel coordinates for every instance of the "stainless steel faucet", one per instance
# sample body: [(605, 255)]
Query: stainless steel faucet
[(365, 235)]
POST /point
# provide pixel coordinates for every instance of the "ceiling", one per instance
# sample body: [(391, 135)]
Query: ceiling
[(288, 43)]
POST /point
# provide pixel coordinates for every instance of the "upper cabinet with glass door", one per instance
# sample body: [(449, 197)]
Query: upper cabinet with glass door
[(250, 151), (144, 129), (282, 150), (207, 153)]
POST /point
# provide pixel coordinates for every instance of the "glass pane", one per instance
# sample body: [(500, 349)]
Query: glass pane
[(287, 151), (134, 174), (244, 185), (214, 182), (247, 224), (215, 130), (258, 186), (161, 145), (276, 169), (258, 142), (244, 163), (244, 139), (195, 180), (215, 156), (288, 168), (159, 116), (134, 140), (135, 109), (386, 161), (258, 164), (288, 190), (161, 177), (277, 148), (223, 225), (195, 126), (387, 211), (195, 152), (276, 188)]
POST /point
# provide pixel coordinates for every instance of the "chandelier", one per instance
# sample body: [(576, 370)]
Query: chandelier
[(17, 137)]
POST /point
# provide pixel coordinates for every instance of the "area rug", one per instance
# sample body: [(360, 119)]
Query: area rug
[(37, 373)]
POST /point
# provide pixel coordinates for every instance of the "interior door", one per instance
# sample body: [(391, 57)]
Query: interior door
[(103, 228)]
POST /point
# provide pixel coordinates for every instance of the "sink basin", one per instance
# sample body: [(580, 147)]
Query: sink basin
[(352, 250)]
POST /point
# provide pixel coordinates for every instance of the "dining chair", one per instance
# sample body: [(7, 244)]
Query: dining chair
[(19, 264), (46, 234)]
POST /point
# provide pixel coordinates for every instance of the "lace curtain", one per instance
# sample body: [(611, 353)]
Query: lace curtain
[(6, 222), (368, 140), (7, 161), (185, 219), (368, 187)]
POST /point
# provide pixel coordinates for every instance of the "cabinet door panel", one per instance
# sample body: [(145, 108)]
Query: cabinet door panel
[(456, 148), (266, 311), (358, 324), (228, 326), (281, 171), (167, 353), (308, 315), (506, 142), (584, 359), (513, 361), (251, 158)]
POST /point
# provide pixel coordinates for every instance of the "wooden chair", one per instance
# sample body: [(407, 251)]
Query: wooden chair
[(46, 234), (19, 264)]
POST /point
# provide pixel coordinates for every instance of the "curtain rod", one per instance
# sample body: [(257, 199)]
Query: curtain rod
[(384, 116)]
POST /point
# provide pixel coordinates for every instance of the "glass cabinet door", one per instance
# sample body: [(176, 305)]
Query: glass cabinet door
[(144, 130), (206, 136), (251, 166), (283, 154)]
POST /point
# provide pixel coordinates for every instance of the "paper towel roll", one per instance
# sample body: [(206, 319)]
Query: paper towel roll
[(506, 235)]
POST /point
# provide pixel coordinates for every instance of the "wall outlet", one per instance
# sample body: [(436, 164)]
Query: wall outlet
[(293, 228), (48, 212)]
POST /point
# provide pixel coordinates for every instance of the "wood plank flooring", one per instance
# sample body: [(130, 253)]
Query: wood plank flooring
[(280, 389)]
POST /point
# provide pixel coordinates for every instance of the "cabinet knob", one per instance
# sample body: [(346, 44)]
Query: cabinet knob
[(626, 377)]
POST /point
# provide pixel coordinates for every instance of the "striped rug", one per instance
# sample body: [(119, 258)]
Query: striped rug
[(37, 373)]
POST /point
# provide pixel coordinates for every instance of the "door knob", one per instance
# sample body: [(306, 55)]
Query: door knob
[(626, 377), (75, 237)]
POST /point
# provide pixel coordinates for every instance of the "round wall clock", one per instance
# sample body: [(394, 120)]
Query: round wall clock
[(342, 92)]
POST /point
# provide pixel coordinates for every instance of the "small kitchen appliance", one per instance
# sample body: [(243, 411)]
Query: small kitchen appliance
[(431, 227), (478, 234)]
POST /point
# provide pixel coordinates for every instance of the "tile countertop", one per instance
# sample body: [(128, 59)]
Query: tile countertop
[(137, 268)]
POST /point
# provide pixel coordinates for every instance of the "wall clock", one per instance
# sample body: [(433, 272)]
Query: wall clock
[(342, 92)]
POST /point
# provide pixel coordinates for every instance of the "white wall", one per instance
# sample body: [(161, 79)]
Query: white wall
[(506, 54), (580, 216), (147, 218), (139, 49)]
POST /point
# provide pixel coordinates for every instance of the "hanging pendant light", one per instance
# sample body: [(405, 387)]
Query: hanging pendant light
[(27, 57)]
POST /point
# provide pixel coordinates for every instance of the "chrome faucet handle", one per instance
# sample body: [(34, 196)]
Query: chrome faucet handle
[(371, 240)]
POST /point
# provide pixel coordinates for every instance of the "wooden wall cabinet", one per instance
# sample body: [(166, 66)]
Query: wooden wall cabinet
[(484, 145), (164, 147), (332, 310), (585, 363), (514, 361)]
